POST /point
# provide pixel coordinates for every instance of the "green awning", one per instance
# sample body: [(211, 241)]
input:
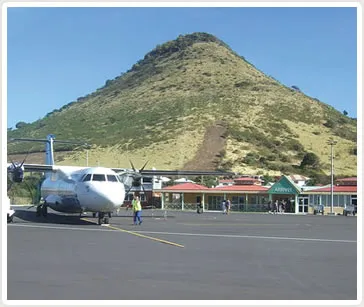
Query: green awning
[(284, 186)]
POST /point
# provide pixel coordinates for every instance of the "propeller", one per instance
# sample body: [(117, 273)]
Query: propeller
[(17, 170), (136, 176)]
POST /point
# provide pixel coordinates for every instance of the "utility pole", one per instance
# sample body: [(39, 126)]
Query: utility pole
[(331, 142)]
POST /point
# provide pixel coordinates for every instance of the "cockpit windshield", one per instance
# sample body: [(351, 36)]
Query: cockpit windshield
[(100, 177), (87, 177), (111, 178)]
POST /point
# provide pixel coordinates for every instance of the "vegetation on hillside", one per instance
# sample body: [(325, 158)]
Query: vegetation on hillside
[(159, 109)]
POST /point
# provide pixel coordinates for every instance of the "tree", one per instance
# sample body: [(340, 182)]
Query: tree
[(296, 88), (208, 181), (20, 125), (345, 113), (310, 160), (267, 178)]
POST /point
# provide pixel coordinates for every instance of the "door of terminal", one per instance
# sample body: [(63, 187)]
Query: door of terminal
[(303, 204)]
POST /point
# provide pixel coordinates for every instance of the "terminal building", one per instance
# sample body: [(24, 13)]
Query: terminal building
[(247, 194)]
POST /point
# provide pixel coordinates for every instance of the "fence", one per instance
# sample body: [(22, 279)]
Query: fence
[(234, 207)]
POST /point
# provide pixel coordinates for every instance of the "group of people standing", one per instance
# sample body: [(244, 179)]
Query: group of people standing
[(226, 206), (279, 206)]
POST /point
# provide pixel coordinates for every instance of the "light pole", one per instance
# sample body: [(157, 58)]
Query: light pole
[(331, 142)]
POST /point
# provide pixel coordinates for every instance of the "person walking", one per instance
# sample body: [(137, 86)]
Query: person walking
[(137, 209), (275, 210), (223, 206), (228, 206)]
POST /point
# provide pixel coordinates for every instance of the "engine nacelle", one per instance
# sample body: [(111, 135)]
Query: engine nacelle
[(16, 173)]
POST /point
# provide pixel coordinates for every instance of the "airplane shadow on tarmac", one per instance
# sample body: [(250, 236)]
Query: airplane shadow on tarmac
[(26, 215), (52, 218)]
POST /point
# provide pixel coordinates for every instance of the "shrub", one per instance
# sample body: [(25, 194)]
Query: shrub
[(330, 123), (20, 125), (310, 160)]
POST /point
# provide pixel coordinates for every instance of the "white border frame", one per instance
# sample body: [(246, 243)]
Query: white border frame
[(183, 4)]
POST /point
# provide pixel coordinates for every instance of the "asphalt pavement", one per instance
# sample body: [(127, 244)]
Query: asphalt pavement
[(182, 256)]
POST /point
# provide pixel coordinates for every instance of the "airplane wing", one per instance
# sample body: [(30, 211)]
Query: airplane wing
[(38, 167), (184, 173), (175, 172)]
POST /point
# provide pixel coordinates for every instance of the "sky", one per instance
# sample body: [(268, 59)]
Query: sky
[(55, 55)]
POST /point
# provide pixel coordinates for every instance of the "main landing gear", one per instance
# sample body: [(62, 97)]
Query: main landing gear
[(42, 210), (102, 217)]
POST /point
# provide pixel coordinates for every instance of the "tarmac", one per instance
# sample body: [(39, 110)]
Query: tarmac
[(182, 256)]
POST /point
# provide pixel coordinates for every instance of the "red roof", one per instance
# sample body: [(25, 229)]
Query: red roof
[(337, 189), (240, 188), (347, 181), (186, 186)]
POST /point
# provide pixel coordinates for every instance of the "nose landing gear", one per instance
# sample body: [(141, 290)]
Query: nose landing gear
[(103, 218)]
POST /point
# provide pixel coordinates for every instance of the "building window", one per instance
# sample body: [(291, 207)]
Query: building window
[(253, 200), (239, 200)]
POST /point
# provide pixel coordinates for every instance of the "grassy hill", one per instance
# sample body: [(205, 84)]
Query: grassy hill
[(194, 103)]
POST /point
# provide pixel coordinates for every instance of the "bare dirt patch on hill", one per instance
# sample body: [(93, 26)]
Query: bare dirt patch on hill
[(211, 150)]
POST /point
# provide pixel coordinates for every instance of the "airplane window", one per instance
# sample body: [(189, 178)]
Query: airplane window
[(98, 177), (87, 177), (111, 178)]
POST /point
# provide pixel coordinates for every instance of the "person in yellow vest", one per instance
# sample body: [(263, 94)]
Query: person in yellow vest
[(137, 209)]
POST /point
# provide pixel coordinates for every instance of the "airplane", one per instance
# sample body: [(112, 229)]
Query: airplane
[(74, 189)]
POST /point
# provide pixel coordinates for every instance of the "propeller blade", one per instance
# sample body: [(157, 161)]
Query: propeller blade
[(144, 166), (12, 162), (129, 190), (24, 159), (132, 165)]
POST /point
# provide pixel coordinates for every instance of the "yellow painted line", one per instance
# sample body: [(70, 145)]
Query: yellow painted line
[(138, 234)]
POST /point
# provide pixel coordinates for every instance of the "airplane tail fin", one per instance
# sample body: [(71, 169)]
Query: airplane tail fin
[(49, 156)]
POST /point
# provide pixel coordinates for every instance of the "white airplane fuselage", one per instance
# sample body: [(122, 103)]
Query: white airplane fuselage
[(79, 189)]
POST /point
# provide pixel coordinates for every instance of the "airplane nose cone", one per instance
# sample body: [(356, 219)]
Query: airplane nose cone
[(113, 198), (103, 197)]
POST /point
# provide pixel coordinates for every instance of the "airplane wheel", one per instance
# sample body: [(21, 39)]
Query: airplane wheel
[(38, 212), (94, 214), (106, 220), (101, 218), (44, 210)]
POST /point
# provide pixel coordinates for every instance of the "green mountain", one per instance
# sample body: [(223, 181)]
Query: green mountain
[(194, 103)]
